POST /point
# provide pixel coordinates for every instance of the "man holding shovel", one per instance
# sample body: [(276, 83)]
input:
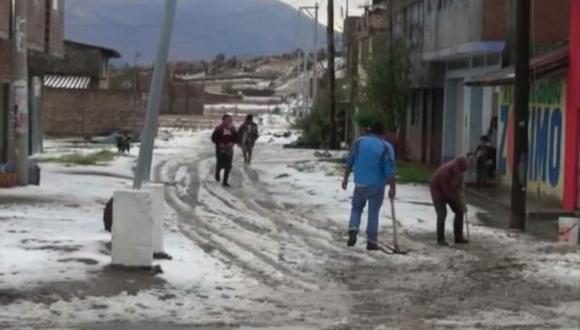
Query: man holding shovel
[(373, 161), (447, 189)]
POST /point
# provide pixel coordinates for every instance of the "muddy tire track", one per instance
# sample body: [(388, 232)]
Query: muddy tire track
[(196, 223)]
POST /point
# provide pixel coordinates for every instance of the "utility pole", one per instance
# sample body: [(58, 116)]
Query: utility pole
[(20, 89), (302, 71), (143, 172), (301, 74), (331, 74), (136, 76), (315, 65), (306, 83), (522, 90)]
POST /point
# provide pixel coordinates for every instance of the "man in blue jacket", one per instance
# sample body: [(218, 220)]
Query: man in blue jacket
[(373, 162)]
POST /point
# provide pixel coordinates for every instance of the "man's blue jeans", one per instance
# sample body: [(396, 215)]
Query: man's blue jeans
[(374, 196)]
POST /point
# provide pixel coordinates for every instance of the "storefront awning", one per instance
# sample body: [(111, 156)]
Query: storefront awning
[(67, 82), (464, 50), (539, 66)]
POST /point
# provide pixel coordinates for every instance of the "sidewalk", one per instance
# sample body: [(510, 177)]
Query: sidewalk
[(542, 215)]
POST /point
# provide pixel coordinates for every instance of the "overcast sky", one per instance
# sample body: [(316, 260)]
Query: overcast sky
[(340, 8)]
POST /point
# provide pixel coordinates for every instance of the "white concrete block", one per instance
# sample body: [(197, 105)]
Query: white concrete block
[(132, 229), (158, 201)]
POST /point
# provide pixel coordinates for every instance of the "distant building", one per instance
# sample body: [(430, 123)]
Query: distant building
[(76, 96), (83, 66), (359, 36)]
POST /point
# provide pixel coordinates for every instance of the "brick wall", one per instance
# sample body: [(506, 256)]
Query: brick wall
[(494, 20), (86, 113), (82, 61), (183, 98), (186, 106), (551, 21), (37, 33), (214, 98), (4, 61), (56, 35), (36, 25), (4, 45), (549, 24), (378, 21), (4, 18)]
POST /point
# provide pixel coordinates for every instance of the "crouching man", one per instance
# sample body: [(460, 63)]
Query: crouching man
[(447, 189)]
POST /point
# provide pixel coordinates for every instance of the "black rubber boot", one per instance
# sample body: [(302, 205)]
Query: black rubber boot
[(372, 246), (352, 235), (461, 240), (441, 232), (442, 242), (226, 178), (458, 230)]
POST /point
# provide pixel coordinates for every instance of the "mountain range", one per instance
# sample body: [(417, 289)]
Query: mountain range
[(202, 29)]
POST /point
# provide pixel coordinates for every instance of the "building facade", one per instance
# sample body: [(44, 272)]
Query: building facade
[(472, 38), (422, 129), (553, 164), (571, 195), (45, 31), (45, 19), (455, 42), (359, 35)]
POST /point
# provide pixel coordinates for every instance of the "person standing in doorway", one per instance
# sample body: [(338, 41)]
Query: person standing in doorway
[(447, 189), (492, 136), (224, 137), (373, 162), (482, 157)]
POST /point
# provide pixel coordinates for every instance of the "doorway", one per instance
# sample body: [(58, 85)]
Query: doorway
[(460, 120), (4, 122)]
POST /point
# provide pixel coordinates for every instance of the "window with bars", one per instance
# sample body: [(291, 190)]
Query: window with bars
[(416, 23), (398, 26), (416, 105)]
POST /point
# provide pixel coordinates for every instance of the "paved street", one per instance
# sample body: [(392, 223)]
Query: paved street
[(274, 249), (449, 99)]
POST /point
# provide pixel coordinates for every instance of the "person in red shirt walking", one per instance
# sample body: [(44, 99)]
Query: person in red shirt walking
[(224, 137), (447, 189)]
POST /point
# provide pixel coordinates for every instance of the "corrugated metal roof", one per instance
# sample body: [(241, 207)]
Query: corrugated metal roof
[(66, 82)]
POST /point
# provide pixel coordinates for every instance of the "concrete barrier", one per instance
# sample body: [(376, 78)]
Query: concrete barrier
[(157, 192), (133, 223)]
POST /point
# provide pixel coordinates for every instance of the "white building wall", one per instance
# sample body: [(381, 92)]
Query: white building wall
[(487, 112)]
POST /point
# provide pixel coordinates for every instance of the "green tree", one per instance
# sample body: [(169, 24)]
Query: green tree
[(217, 63), (315, 125), (387, 91)]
